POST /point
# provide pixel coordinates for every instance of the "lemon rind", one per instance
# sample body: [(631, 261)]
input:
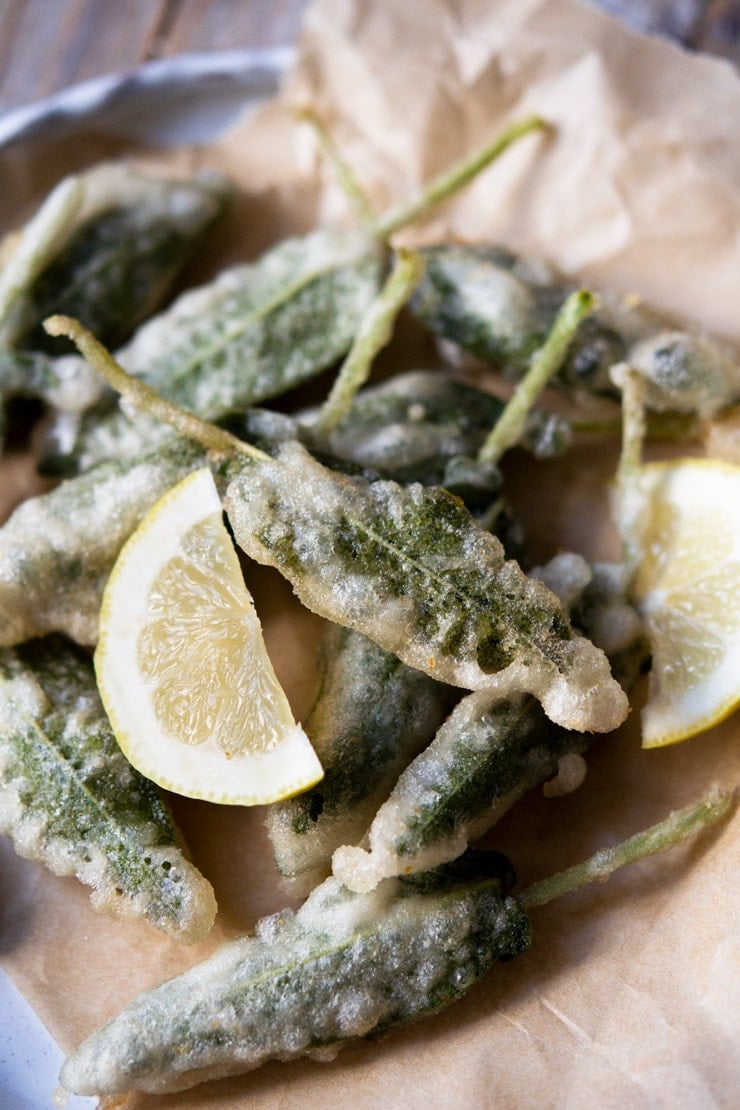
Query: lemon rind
[(287, 769)]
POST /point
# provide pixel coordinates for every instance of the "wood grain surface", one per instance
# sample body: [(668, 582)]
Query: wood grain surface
[(47, 45)]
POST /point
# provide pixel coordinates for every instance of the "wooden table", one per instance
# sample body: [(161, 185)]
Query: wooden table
[(46, 45)]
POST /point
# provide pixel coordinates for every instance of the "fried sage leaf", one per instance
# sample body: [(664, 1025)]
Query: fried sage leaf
[(104, 248), (500, 307), (485, 756), (371, 716), (69, 798), (411, 569), (685, 373), (255, 332), (491, 750), (66, 384), (57, 549), (417, 427), (344, 966), (490, 302), (411, 427)]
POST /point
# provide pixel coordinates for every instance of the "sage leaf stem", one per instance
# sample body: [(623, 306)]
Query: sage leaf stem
[(629, 503), (681, 825), (141, 395), (453, 179), (346, 176), (545, 364), (374, 333)]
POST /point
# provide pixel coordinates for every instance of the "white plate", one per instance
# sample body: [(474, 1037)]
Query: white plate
[(29, 1058), (189, 99)]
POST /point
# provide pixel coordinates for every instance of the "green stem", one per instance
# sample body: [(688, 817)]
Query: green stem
[(545, 364), (628, 504), (675, 829), (375, 331), (452, 180), (142, 396), (662, 426), (633, 425), (346, 177)]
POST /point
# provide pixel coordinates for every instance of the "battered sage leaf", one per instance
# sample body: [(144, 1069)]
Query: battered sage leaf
[(65, 384), (685, 373), (57, 549), (421, 426), (498, 306), (411, 569), (69, 798), (105, 248), (344, 966), (255, 332), (371, 716), (417, 427), (410, 427), (491, 750), (485, 756)]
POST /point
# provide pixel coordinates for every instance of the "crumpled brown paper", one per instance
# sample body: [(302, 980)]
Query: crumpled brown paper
[(630, 995)]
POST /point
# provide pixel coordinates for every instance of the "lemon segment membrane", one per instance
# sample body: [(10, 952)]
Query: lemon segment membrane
[(182, 665)]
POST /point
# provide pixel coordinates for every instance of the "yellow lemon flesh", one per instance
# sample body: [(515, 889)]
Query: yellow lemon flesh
[(688, 591), (182, 666)]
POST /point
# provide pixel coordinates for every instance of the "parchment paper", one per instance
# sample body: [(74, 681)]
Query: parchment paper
[(630, 995)]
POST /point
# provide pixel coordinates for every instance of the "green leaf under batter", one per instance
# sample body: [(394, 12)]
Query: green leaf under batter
[(70, 799), (410, 568), (255, 332)]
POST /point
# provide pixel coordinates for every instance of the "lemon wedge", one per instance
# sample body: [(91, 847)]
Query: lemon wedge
[(688, 591), (182, 666)]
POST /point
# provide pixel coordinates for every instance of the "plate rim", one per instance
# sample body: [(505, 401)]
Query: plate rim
[(249, 69)]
